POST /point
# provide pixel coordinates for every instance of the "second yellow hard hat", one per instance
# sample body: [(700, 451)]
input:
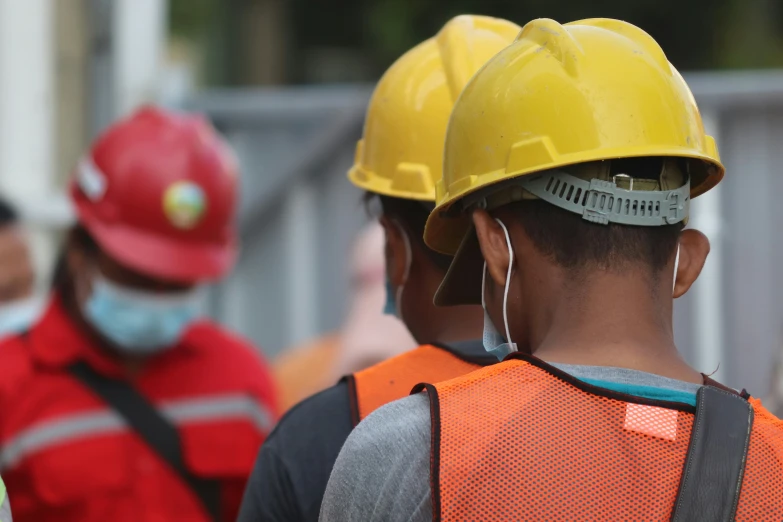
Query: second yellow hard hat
[(401, 150)]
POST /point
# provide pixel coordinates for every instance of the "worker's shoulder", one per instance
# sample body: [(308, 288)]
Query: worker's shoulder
[(323, 420), (767, 426), (310, 435), (217, 346), (383, 466), (393, 430)]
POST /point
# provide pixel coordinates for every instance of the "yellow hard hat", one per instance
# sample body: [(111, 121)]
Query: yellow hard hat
[(560, 95), (401, 151)]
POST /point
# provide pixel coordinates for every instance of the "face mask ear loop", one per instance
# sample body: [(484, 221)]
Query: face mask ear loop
[(508, 284), (676, 266), (406, 273), (483, 285)]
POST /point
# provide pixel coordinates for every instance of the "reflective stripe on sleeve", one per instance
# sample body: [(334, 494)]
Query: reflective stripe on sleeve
[(69, 428), (220, 407)]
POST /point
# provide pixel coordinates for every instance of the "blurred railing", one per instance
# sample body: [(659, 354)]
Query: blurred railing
[(734, 314), (299, 214)]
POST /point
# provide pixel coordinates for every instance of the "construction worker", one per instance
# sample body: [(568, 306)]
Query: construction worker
[(19, 307), (121, 404), (398, 161), (570, 160)]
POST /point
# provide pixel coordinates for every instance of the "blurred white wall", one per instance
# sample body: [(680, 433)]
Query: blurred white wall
[(27, 110), (139, 40), (67, 69)]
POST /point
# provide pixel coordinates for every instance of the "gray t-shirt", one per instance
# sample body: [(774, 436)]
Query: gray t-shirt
[(383, 470)]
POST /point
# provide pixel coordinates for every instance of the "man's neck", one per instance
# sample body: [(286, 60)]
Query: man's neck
[(668, 364), (604, 327), (457, 323)]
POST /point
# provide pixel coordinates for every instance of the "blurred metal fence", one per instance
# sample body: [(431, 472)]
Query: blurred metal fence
[(299, 215), (735, 314)]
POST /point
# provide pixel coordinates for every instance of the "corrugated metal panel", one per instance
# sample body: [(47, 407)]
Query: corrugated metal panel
[(298, 213), (753, 243)]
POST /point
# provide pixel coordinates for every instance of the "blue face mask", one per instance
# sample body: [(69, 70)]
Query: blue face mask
[(18, 316), (139, 322), (390, 308), (394, 298), (494, 342)]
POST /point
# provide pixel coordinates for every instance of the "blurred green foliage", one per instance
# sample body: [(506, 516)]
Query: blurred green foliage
[(695, 34), (192, 19), (207, 24)]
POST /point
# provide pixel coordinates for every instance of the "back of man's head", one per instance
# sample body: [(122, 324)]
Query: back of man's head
[(580, 246), (415, 271), (412, 216)]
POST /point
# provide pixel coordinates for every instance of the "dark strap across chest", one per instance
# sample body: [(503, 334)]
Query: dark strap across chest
[(154, 429)]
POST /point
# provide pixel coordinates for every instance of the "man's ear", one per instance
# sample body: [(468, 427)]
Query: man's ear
[(494, 248), (395, 251), (694, 248)]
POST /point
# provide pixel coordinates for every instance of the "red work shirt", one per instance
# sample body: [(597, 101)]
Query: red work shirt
[(65, 456)]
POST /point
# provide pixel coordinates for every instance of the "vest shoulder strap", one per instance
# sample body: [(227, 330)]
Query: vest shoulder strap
[(712, 478), (394, 378)]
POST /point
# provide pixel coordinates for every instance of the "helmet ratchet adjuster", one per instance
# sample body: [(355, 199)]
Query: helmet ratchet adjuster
[(597, 201), (603, 202)]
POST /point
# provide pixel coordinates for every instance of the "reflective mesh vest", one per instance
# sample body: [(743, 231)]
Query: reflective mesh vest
[(522, 440), (394, 378)]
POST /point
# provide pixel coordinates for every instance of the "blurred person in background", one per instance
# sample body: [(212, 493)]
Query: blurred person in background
[(569, 163), (121, 403), (367, 336), (19, 307), (398, 163)]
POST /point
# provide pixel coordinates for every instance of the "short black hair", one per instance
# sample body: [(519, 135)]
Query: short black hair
[(77, 237), (412, 215), (574, 243), (8, 214)]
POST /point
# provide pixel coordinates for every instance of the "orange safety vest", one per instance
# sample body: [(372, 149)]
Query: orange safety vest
[(522, 440), (394, 378)]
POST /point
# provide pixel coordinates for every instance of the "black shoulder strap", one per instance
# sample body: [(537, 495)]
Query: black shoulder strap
[(156, 431), (712, 477)]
